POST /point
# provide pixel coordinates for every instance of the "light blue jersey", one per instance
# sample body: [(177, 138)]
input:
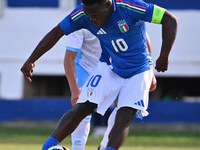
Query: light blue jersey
[(122, 38), (88, 50)]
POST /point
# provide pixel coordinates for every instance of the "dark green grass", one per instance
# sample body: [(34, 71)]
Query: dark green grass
[(31, 136)]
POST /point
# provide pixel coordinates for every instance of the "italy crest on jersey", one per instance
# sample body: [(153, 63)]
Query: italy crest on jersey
[(123, 26), (90, 92)]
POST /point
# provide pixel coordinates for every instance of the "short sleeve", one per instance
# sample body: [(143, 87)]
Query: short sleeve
[(75, 40), (69, 24)]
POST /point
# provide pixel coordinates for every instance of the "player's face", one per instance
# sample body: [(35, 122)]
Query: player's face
[(98, 14)]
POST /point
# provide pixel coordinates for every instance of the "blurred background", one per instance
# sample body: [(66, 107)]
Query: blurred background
[(23, 23)]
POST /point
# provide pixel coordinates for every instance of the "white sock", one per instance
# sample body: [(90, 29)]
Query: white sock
[(80, 135), (101, 148), (111, 121)]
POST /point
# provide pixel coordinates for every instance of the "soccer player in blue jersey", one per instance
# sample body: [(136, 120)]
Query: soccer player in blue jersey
[(81, 58), (125, 70)]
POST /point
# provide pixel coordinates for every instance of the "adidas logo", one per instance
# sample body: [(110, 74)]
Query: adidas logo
[(101, 31), (140, 103)]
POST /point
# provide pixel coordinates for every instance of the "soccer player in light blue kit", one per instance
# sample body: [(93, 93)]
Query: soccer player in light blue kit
[(126, 66), (81, 58)]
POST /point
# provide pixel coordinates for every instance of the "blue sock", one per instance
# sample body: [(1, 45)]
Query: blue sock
[(51, 141), (110, 148)]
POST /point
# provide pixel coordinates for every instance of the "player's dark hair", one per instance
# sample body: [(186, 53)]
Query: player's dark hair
[(91, 2)]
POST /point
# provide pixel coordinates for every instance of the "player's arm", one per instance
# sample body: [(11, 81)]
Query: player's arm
[(70, 73), (154, 82), (149, 43), (49, 40), (169, 30)]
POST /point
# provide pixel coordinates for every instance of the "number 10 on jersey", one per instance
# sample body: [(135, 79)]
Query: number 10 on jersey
[(119, 44)]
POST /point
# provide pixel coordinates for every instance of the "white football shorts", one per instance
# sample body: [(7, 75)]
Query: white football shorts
[(103, 86)]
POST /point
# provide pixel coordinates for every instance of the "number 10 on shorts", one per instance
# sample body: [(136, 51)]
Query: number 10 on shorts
[(94, 81)]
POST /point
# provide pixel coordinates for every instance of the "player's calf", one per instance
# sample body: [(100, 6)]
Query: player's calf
[(69, 122), (120, 129)]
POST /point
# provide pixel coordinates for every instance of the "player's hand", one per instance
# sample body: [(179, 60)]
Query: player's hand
[(153, 84), (27, 70), (162, 64), (74, 97)]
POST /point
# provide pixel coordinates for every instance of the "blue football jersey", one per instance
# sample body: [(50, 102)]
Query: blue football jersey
[(122, 38)]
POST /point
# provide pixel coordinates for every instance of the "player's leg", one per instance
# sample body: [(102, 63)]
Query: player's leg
[(111, 121), (120, 129), (129, 102), (80, 135), (69, 122)]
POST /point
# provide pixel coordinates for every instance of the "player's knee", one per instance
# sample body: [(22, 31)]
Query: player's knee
[(84, 108), (125, 115)]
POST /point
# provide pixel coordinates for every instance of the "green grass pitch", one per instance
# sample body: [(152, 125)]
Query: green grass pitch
[(31, 137)]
